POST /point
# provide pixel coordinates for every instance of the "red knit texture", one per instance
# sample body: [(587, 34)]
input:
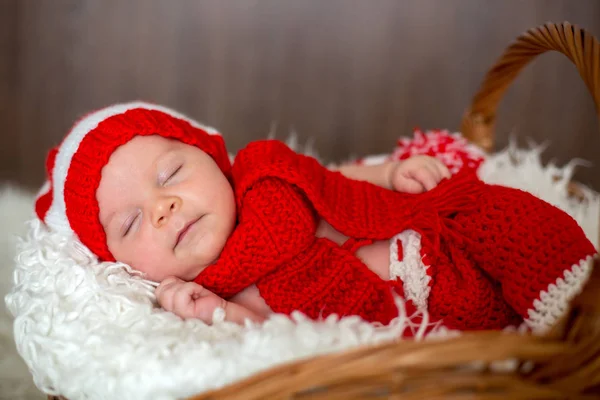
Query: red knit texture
[(491, 249), (43, 203)]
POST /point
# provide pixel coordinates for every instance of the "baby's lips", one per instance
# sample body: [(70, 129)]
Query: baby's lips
[(182, 231)]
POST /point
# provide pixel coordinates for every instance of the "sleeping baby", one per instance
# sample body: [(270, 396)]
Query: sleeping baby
[(277, 232)]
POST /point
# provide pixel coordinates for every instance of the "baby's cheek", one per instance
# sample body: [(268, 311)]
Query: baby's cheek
[(147, 259), (210, 241)]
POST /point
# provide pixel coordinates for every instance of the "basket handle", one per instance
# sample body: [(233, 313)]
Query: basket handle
[(578, 45)]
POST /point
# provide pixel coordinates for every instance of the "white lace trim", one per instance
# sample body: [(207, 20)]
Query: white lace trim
[(553, 303), (411, 269)]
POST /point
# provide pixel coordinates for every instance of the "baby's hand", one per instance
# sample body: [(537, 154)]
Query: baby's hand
[(418, 174), (188, 299)]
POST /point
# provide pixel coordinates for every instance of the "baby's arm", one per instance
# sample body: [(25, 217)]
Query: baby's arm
[(416, 174), (190, 300)]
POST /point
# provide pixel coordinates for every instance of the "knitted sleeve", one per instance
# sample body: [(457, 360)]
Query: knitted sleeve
[(275, 224)]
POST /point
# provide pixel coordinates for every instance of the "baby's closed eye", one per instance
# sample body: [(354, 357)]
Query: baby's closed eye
[(129, 222), (165, 178)]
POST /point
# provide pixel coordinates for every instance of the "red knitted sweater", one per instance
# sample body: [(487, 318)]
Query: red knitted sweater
[(490, 248)]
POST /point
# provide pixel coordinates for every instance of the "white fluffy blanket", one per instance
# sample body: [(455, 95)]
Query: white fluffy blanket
[(93, 331), (15, 380)]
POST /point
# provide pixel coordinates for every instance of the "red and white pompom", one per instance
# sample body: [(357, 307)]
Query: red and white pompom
[(450, 148)]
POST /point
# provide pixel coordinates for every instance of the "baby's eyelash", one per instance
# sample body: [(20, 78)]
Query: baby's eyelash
[(129, 225), (172, 174)]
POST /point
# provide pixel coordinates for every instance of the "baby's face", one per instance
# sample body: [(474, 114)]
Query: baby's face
[(166, 207)]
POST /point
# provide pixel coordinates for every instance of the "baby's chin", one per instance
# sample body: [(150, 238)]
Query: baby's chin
[(204, 252)]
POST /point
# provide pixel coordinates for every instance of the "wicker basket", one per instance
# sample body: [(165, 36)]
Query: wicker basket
[(565, 363)]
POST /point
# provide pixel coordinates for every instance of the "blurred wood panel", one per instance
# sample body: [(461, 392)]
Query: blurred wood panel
[(10, 166), (351, 75)]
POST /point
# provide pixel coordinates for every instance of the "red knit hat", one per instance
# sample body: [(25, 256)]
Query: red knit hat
[(67, 202)]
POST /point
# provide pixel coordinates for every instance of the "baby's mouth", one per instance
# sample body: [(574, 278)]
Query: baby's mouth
[(185, 230)]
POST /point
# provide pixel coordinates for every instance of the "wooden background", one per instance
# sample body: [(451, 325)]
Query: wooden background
[(350, 75)]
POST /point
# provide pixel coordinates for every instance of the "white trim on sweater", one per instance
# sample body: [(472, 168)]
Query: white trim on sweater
[(553, 303), (411, 270)]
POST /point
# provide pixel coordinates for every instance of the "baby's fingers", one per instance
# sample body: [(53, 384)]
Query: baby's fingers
[(425, 176), (165, 286), (442, 169), (194, 301), (406, 184), (184, 298)]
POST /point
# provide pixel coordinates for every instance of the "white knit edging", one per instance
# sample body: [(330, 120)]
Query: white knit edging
[(554, 302), (411, 270)]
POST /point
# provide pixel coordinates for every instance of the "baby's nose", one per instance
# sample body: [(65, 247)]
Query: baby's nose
[(164, 208)]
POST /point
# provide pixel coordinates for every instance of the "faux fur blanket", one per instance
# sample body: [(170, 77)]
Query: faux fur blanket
[(93, 331), (15, 380)]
